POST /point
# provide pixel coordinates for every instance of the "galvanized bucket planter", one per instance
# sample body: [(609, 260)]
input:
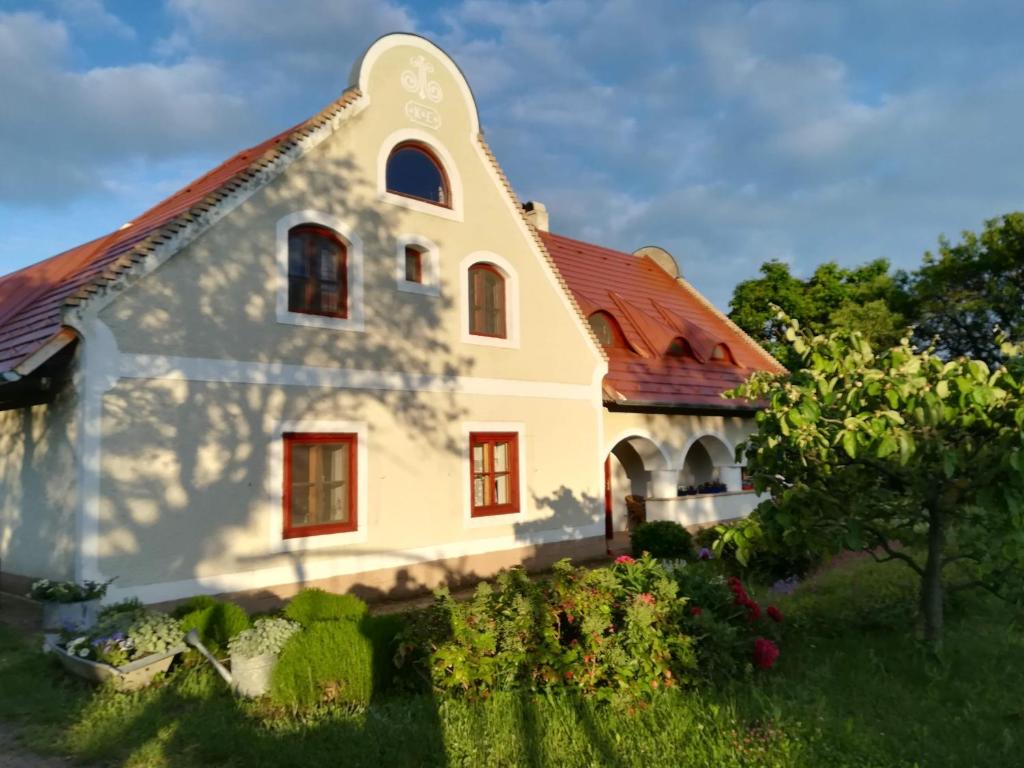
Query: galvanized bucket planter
[(129, 677), (79, 616), (251, 676)]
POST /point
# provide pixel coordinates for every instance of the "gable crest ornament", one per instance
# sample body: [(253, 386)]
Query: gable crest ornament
[(417, 80)]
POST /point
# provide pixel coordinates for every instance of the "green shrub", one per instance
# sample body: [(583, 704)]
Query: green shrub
[(215, 621), (383, 631), (194, 603), (612, 633), (769, 558), (327, 662), (312, 605), (726, 620), (663, 539)]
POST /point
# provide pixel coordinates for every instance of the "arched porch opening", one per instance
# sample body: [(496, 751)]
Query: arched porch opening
[(708, 462), (628, 469)]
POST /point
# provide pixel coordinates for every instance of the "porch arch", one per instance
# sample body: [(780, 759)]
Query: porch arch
[(631, 458), (709, 458)]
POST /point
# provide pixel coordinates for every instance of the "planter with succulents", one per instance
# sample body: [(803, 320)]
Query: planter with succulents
[(127, 648), (254, 653), (68, 605)]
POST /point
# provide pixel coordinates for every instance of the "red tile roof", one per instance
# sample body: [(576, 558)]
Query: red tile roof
[(653, 308), (32, 300)]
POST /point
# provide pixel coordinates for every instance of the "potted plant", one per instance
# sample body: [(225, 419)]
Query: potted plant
[(254, 653), (67, 604), (127, 647)]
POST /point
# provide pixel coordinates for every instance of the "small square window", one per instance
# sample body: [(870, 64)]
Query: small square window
[(319, 484)]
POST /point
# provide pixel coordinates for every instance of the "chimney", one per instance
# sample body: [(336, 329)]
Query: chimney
[(537, 215)]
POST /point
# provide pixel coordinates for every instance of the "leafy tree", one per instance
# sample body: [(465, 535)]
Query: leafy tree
[(897, 452), (833, 297), (961, 295)]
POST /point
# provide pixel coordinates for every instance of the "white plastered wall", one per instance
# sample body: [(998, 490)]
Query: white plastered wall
[(205, 374), (38, 496)]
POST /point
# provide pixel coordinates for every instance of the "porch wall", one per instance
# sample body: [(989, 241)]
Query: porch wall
[(38, 496)]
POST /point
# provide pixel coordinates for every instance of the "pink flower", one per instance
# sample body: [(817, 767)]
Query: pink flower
[(775, 614), (646, 597), (624, 560), (765, 653)]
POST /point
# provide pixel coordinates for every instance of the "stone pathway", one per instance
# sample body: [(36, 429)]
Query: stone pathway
[(13, 755)]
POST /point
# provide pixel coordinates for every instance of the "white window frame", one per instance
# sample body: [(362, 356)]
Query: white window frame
[(354, 264), (430, 262), (511, 340), (490, 521), (455, 212), (276, 491)]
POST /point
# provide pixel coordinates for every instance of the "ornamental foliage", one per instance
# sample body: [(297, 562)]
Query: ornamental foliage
[(899, 453)]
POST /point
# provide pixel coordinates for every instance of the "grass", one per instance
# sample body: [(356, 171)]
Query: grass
[(853, 688)]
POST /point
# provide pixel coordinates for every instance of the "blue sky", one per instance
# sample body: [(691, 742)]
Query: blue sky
[(728, 133)]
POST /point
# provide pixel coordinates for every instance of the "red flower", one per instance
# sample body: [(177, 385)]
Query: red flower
[(753, 610), (775, 614), (735, 585), (624, 560), (695, 610), (765, 653), (646, 597)]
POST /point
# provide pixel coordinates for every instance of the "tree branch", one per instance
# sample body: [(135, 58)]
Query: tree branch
[(893, 554)]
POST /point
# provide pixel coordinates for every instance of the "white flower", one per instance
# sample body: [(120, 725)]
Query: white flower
[(84, 652), (76, 642)]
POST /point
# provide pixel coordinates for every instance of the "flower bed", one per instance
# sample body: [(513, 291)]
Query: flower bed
[(128, 646)]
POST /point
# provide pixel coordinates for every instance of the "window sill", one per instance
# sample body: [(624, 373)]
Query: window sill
[(423, 289), (321, 541), (420, 206), (491, 341), (491, 521), (352, 323)]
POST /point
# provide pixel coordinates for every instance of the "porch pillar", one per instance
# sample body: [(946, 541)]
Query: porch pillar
[(731, 475), (664, 483)]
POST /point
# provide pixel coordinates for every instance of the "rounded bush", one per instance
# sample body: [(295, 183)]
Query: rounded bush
[(327, 662), (312, 605), (663, 539), (216, 622)]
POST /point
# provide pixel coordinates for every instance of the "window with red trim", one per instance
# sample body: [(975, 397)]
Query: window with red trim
[(494, 473), (413, 171), (486, 301), (413, 264), (317, 272), (319, 484)]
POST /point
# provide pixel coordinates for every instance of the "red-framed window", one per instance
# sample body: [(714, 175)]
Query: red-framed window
[(494, 473), (317, 272), (414, 171), (413, 264), (486, 301), (319, 484)]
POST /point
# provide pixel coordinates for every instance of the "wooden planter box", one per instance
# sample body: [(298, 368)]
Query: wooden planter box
[(130, 677)]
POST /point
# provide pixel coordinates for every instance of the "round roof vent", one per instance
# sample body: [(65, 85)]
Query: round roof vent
[(661, 257)]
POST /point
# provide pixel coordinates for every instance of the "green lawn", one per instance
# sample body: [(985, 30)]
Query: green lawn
[(853, 688)]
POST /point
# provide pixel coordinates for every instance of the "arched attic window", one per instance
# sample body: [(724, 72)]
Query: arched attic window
[(317, 272), (680, 348), (487, 301), (722, 354), (607, 329), (414, 171)]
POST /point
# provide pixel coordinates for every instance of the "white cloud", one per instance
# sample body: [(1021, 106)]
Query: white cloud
[(61, 126)]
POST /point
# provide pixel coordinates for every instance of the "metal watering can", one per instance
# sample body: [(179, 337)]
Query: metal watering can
[(248, 677)]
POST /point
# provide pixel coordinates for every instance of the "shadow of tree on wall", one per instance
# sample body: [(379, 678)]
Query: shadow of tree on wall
[(186, 462)]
